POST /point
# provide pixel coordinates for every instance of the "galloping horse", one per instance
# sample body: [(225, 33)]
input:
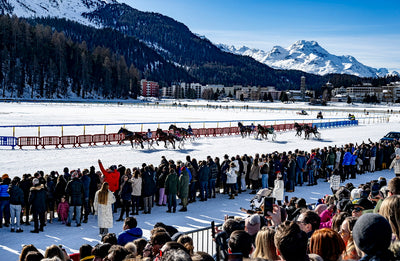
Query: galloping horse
[(131, 136), (162, 136), (245, 130), (182, 131), (308, 130), (299, 129)]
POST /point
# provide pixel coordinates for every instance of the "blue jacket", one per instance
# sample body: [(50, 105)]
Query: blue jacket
[(347, 159), (353, 160), (3, 192), (129, 235), (300, 163)]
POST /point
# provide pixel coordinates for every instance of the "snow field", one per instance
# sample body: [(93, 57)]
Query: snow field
[(200, 214)]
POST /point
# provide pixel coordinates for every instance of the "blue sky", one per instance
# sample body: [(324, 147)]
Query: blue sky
[(367, 30)]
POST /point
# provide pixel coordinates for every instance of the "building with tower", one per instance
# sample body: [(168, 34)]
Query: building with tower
[(303, 87)]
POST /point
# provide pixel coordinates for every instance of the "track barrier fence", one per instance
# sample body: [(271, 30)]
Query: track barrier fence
[(109, 138)]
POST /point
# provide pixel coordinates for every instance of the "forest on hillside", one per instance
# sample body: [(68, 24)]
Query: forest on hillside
[(38, 62)]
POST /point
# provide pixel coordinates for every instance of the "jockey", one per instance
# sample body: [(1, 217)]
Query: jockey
[(189, 130), (149, 134)]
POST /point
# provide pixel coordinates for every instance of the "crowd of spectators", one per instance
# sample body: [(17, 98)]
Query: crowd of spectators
[(73, 195)]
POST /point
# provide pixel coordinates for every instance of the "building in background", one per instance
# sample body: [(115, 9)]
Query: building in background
[(149, 88)]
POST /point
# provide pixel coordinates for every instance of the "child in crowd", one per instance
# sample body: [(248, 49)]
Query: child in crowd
[(62, 210)]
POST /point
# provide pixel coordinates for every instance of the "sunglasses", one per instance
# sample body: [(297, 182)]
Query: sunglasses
[(357, 209)]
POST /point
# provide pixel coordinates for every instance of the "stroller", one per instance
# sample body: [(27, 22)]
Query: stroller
[(258, 199)]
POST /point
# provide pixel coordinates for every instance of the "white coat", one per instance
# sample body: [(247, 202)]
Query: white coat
[(335, 182), (136, 186), (279, 190), (396, 165), (104, 212), (231, 175)]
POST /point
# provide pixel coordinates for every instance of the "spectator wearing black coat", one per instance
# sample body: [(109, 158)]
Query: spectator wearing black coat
[(16, 202), (37, 200), (25, 185), (75, 191), (50, 185), (86, 188), (161, 176), (59, 190), (125, 192), (94, 186), (148, 189), (204, 176)]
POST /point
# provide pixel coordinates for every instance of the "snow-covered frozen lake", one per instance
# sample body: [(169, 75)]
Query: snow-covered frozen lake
[(200, 214)]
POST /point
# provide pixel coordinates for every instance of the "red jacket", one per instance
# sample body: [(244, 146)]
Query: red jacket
[(112, 178)]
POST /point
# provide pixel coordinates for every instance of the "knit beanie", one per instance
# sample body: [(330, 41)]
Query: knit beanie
[(4, 176), (372, 233)]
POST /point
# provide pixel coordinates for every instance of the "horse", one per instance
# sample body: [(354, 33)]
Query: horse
[(180, 139), (264, 131), (181, 131), (131, 136), (299, 129), (260, 130), (149, 140), (271, 131), (308, 130), (245, 130), (162, 136)]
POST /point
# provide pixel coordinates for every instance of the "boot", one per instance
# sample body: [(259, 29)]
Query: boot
[(183, 209), (51, 217), (232, 196)]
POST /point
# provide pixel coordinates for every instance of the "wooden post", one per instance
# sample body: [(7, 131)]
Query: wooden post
[(84, 129), (105, 129), (13, 131), (39, 131), (62, 131)]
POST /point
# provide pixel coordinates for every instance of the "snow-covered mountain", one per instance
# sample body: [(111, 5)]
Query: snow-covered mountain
[(308, 56), (72, 10)]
